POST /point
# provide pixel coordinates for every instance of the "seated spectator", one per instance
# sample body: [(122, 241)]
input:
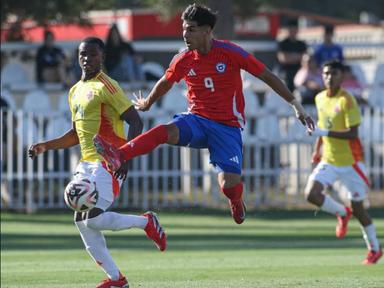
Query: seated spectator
[(328, 50), (352, 85), (50, 61), (308, 80), (121, 61)]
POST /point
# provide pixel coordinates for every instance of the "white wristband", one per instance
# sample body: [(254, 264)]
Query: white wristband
[(319, 132)]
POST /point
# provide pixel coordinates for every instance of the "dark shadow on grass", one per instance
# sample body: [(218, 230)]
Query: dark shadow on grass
[(186, 241), (65, 216)]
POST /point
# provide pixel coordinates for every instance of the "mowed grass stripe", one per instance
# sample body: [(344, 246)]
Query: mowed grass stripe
[(209, 250)]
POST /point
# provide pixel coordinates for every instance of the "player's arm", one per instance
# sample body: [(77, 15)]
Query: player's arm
[(316, 155), (161, 87), (135, 128), (69, 139), (134, 121), (280, 88), (351, 133)]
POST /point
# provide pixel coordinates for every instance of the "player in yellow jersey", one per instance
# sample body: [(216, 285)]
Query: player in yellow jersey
[(341, 159), (98, 105)]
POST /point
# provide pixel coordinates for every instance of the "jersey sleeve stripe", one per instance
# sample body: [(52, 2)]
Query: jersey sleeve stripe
[(231, 47), (107, 84), (178, 56)]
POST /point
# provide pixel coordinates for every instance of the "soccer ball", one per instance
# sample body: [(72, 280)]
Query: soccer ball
[(81, 195)]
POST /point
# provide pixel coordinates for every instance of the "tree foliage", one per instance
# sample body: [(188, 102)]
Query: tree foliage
[(44, 11)]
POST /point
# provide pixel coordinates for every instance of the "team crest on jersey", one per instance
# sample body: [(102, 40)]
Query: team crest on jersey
[(90, 95), (220, 67)]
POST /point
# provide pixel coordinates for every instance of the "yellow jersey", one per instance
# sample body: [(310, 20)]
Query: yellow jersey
[(338, 113), (96, 106)]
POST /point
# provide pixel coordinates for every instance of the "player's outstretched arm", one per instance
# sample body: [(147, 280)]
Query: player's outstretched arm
[(161, 87), (69, 139), (280, 88), (350, 133)]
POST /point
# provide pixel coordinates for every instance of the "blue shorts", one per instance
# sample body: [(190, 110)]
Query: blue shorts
[(224, 142)]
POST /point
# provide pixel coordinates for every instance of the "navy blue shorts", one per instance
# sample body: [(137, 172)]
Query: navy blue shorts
[(224, 142)]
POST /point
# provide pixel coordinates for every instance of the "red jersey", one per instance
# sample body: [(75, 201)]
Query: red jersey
[(215, 89)]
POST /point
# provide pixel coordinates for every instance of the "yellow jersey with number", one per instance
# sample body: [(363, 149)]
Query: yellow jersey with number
[(96, 106), (339, 113)]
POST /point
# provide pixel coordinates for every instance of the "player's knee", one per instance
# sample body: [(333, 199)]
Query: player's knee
[(95, 220), (312, 192), (173, 133), (94, 223), (228, 180)]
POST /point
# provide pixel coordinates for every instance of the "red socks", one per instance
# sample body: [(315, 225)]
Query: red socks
[(233, 193), (144, 143)]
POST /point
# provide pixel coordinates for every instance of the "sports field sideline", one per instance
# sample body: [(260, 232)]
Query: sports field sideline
[(205, 249)]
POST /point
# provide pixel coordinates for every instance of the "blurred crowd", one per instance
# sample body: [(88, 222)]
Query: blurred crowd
[(301, 68), (298, 65), (53, 65)]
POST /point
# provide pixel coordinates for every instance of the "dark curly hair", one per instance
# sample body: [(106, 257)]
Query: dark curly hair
[(200, 14)]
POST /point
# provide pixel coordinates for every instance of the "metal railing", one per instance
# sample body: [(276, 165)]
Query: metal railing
[(276, 164)]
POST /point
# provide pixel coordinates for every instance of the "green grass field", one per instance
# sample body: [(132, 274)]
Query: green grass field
[(271, 249)]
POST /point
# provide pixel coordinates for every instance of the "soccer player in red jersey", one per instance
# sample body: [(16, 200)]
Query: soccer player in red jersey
[(211, 69)]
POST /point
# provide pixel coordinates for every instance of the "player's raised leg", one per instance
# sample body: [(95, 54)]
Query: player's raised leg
[(116, 222), (141, 145)]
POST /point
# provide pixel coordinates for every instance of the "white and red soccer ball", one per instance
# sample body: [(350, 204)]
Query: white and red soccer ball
[(81, 195)]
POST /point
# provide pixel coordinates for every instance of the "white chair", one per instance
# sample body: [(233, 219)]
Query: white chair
[(37, 101), (36, 105), (14, 73), (8, 97), (376, 93), (358, 71), (251, 108), (153, 68), (57, 126), (63, 105), (252, 82), (268, 128), (175, 101), (274, 102)]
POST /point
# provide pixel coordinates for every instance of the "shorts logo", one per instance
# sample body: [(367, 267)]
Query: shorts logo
[(234, 159), (220, 67)]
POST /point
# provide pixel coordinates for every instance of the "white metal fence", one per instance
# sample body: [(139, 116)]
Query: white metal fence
[(276, 163)]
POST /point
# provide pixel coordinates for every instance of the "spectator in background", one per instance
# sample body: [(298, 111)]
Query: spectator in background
[(328, 50), (353, 85), (308, 80), (289, 55), (121, 61), (50, 61)]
